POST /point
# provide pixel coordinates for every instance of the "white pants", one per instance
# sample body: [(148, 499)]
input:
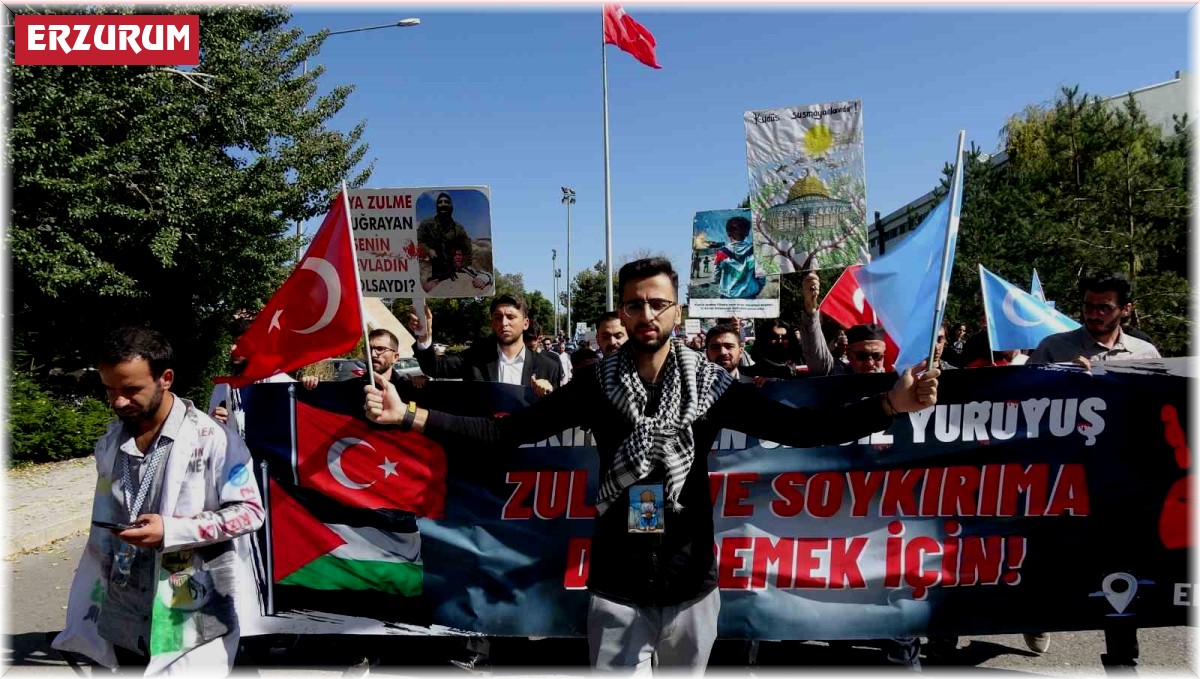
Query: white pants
[(627, 637)]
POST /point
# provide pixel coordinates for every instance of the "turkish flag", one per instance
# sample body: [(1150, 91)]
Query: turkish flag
[(621, 30), (847, 304), (315, 314), (360, 465)]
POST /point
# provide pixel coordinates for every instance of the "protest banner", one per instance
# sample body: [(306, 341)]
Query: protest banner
[(808, 189), (423, 242), (1029, 498), (725, 281)]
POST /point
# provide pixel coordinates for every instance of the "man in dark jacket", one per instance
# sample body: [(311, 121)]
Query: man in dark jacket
[(655, 408), (506, 360)]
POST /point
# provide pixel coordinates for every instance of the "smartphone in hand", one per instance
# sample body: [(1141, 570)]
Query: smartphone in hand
[(115, 526)]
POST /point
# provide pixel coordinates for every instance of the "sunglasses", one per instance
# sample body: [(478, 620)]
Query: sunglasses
[(864, 355)]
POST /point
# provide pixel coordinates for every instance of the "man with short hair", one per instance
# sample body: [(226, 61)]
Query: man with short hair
[(723, 346), (610, 334), (1106, 300), (655, 408), (506, 360), (156, 584)]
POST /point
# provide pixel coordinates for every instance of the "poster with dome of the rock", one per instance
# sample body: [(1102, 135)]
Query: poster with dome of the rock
[(808, 188)]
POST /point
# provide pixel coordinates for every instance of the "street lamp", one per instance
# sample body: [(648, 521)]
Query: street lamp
[(554, 288), (568, 199), (403, 23)]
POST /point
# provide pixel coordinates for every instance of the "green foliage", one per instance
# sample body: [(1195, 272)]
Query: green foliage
[(43, 428), (1088, 187), (145, 195), (588, 301), (456, 321)]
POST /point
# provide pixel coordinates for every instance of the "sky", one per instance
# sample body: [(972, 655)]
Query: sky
[(510, 98)]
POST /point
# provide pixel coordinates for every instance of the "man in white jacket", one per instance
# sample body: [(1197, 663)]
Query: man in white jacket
[(158, 578)]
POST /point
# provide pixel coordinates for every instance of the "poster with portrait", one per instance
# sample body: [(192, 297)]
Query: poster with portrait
[(725, 280), (808, 189), (423, 242)]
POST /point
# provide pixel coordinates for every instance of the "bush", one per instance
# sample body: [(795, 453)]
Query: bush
[(44, 428)]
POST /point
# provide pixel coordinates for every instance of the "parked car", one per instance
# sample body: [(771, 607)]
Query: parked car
[(407, 367), (346, 368)]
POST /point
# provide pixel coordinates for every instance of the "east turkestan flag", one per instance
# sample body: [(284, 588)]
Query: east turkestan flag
[(1016, 319)]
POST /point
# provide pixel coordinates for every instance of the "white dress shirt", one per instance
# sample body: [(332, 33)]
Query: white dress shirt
[(511, 369)]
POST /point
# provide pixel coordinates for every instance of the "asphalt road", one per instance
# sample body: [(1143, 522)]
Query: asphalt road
[(40, 581)]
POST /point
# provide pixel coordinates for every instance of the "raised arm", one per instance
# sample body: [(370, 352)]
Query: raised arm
[(563, 409), (746, 409), (812, 341)]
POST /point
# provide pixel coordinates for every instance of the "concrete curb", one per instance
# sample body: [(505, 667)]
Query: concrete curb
[(58, 530)]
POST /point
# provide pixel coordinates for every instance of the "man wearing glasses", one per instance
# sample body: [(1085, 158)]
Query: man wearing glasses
[(655, 408), (1106, 300)]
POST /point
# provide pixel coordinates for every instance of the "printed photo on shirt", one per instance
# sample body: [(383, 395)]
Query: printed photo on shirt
[(646, 509)]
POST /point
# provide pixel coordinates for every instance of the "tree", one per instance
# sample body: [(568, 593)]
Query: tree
[(588, 301), (1087, 188), (164, 196), (458, 320)]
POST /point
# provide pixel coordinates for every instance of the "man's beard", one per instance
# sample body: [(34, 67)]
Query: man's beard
[(146, 413), (509, 343), (647, 347)]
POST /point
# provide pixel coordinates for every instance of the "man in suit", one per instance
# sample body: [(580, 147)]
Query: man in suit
[(506, 360)]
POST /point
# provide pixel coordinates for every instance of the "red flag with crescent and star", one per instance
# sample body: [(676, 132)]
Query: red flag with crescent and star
[(622, 30), (847, 304), (315, 314), (360, 465)]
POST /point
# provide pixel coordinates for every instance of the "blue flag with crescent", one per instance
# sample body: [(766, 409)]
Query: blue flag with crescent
[(1015, 318), (1035, 287), (902, 286)]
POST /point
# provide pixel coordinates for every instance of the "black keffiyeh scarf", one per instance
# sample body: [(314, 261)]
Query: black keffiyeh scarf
[(690, 385)]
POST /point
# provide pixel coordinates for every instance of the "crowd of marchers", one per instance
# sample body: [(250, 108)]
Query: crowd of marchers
[(653, 400)]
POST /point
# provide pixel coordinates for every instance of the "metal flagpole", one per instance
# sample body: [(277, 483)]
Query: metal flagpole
[(362, 317), (266, 500), (951, 229), (608, 286)]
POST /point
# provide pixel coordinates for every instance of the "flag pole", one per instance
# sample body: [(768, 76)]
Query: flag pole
[(951, 229), (608, 287), (362, 316)]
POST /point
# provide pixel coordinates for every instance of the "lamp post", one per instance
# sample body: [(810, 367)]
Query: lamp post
[(403, 23), (568, 199), (554, 288)]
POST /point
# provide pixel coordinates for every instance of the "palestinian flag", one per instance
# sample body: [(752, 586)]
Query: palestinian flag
[(345, 549)]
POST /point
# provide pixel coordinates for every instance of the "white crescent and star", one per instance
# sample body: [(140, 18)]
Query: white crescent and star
[(1010, 312), (860, 299), (333, 287), (335, 463)]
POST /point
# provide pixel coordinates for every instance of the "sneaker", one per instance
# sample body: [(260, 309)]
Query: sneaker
[(1038, 643)]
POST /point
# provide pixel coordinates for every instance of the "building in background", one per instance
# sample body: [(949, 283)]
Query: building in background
[(1158, 102)]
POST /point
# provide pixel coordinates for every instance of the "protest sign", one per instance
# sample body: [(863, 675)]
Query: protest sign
[(725, 281), (423, 242), (808, 188)]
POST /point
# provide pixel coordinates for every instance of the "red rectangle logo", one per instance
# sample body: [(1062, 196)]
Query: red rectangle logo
[(108, 40)]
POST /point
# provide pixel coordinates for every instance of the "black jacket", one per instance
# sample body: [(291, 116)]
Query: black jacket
[(678, 565), (481, 363)]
